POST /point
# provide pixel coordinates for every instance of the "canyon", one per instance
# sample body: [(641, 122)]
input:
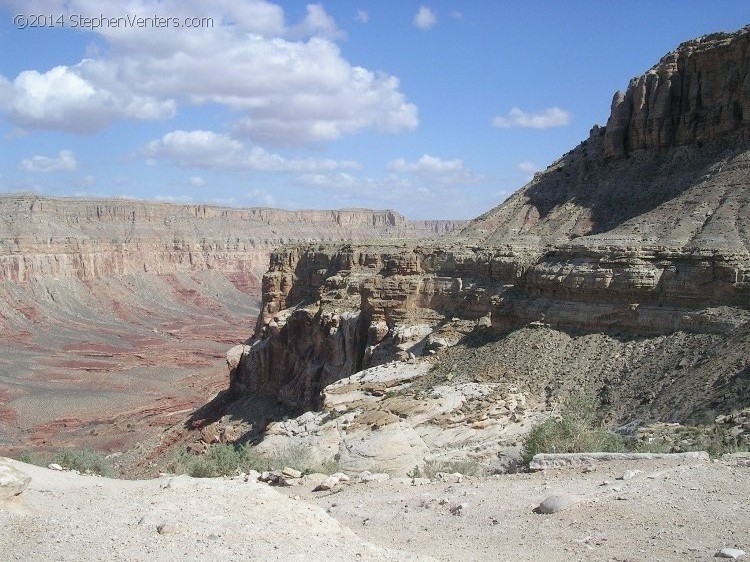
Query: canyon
[(412, 359), (362, 338), (116, 315)]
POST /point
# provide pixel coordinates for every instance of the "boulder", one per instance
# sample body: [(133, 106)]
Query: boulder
[(555, 503), (12, 480)]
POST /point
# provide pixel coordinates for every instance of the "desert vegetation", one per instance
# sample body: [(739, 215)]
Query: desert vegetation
[(226, 459), (85, 461), (577, 429)]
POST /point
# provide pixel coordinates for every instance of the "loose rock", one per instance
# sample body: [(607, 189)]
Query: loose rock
[(630, 474), (732, 553), (459, 509), (291, 473), (327, 484), (553, 504), (12, 480)]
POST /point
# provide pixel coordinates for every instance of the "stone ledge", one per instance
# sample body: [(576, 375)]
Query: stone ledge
[(545, 461)]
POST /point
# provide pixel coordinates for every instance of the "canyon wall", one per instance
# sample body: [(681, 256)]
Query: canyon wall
[(692, 95), (115, 314), (642, 231), (87, 239)]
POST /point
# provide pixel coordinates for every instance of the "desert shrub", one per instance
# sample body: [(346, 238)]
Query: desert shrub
[(330, 466), (294, 456), (467, 467), (577, 431), (714, 439), (32, 458), (221, 459), (84, 461), (330, 416), (227, 460), (653, 446)]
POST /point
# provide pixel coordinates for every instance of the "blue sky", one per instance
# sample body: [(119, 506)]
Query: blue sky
[(436, 109)]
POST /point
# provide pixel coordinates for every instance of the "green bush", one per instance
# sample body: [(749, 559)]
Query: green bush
[(716, 440), (32, 458), (294, 456), (331, 466), (577, 431), (228, 459), (220, 460), (84, 461), (416, 472)]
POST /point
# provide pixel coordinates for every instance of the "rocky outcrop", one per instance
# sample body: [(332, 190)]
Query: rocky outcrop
[(419, 276), (357, 307), (329, 312), (12, 480), (622, 268), (669, 169), (374, 418), (695, 94)]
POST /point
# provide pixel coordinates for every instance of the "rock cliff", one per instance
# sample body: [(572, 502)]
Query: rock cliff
[(695, 94), (627, 261), (87, 239), (114, 314)]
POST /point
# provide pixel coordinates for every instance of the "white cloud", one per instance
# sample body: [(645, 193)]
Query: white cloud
[(288, 84), (456, 15), (426, 164), (552, 117), (196, 181), (437, 169), (362, 16), (425, 18), (198, 149), (336, 180), (206, 149), (62, 99), (528, 169), (64, 162), (16, 133), (180, 199), (407, 185), (414, 195), (317, 23)]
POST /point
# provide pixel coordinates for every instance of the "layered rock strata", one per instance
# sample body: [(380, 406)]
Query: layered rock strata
[(115, 314), (628, 248), (88, 239)]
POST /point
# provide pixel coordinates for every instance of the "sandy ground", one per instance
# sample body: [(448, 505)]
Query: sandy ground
[(669, 511)]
